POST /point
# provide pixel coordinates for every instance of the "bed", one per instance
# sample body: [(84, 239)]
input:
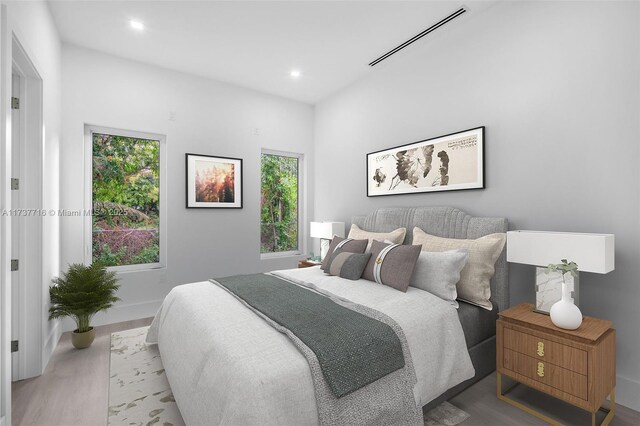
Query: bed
[(226, 365), (479, 325)]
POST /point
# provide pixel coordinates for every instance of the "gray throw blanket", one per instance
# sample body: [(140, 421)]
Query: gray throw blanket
[(353, 349), (359, 359)]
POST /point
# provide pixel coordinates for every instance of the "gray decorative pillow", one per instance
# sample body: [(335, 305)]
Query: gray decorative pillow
[(347, 265), (347, 244), (475, 278), (391, 264), (439, 272)]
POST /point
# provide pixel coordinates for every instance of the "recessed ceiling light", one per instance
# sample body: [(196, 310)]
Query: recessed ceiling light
[(136, 25), (295, 73)]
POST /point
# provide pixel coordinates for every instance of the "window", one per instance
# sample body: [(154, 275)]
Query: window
[(280, 231), (125, 199)]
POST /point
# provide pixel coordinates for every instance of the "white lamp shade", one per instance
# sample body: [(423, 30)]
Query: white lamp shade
[(326, 230), (592, 252)]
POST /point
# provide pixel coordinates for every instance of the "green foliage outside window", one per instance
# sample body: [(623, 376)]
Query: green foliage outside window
[(279, 204), (126, 199)]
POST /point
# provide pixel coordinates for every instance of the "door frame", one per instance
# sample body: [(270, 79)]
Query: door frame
[(13, 51), (30, 173), (17, 134), (5, 221)]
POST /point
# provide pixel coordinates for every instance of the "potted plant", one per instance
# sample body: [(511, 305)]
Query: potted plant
[(564, 313), (80, 293)]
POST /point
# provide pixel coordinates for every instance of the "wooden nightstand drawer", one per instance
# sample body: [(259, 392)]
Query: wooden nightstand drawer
[(544, 349), (559, 378)]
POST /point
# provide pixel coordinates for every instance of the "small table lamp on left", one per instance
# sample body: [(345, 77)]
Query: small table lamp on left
[(325, 231)]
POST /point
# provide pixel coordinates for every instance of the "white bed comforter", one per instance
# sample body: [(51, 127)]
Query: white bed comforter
[(227, 366)]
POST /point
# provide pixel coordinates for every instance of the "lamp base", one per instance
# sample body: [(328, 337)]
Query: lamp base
[(324, 247), (549, 289)]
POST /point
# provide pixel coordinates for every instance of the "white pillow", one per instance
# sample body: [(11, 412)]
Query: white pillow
[(393, 237), (439, 272)]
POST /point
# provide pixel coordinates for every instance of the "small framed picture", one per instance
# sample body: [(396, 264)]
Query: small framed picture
[(446, 163), (214, 182)]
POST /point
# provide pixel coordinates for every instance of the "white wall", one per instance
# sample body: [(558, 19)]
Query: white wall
[(210, 118), (557, 85), (32, 25)]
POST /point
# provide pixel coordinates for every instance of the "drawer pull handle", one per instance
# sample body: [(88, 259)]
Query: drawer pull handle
[(540, 369), (540, 348)]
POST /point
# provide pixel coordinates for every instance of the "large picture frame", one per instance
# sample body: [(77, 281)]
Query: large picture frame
[(213, 182), (445, 163)]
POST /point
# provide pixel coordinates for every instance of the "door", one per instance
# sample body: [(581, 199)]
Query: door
[(15, 225), (28, 318)]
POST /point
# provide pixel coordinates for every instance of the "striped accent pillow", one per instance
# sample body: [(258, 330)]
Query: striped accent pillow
[(392, 264), (347, 265)]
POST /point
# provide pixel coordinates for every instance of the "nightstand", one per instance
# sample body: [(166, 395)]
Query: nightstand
[(307, 263), (575, 366)]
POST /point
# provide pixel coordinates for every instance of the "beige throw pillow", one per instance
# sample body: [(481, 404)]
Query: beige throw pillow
[(393, 237), (474, 285)]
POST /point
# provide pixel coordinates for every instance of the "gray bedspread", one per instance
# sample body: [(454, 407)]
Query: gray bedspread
[(353, 349)]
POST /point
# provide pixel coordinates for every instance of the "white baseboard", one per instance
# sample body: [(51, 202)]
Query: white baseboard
[(628, 392), (119, 313)]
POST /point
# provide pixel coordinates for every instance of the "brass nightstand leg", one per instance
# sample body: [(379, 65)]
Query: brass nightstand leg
[(523, 407), (605, 422), (610, 413)]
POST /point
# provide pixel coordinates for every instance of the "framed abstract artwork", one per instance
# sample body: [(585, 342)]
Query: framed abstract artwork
[(214, 182), (445, 163)]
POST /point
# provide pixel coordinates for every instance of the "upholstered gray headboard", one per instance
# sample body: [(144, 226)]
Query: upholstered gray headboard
[(446, 222)]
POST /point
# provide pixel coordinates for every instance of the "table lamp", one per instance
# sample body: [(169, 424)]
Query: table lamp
[(592, 253), (325, 231)]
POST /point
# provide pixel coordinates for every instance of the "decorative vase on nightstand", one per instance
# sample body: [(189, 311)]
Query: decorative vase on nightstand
[(564, 313)]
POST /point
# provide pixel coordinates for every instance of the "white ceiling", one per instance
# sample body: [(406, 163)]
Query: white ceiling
[(255, 44)]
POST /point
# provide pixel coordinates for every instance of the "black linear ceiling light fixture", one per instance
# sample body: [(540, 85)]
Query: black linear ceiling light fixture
[(417, 37)]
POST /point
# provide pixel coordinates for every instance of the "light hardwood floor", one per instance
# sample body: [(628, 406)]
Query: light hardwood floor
[(74, 388), (74, 391), (486, 409)]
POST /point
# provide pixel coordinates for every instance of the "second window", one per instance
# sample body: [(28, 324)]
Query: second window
[(280, 202)]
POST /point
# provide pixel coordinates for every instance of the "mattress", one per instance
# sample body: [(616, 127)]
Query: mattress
[(478, 324)]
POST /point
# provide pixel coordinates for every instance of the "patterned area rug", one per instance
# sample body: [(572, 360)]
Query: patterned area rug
[(139, 393), (445, 414)]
